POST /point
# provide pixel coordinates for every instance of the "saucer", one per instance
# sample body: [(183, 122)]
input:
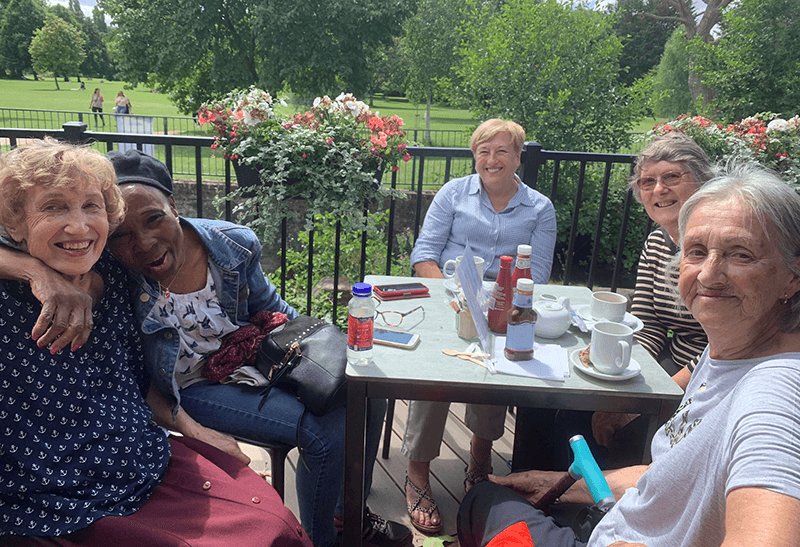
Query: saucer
[(630, 320), (633, 370), (451, 285)]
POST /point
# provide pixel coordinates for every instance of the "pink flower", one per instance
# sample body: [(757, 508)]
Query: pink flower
[(407, 157), (214, 146), (395, 168), (375, 124), (304, 155), (329, 140)]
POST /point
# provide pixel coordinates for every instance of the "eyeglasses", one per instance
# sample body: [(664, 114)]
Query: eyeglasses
[(395, 318), (673, 178)]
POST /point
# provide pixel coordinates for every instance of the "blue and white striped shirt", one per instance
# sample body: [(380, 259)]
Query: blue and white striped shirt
[(461, 212)]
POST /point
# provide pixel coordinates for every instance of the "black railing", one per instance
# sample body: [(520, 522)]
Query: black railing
[(585, 181)]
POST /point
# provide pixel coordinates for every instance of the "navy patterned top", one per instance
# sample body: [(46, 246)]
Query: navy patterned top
[(77, 440)]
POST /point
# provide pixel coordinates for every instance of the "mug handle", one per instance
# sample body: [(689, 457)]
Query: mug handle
[(623, 360), (446, 265)]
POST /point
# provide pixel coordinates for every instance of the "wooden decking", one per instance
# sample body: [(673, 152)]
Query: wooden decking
[(387, 497)]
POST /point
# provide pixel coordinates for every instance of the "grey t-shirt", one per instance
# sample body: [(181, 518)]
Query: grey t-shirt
[(738, 425)]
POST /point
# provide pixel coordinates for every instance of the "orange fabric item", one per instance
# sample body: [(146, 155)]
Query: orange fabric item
[(516, 535)]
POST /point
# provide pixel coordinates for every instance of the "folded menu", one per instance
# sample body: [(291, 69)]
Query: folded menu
[(550, 362)]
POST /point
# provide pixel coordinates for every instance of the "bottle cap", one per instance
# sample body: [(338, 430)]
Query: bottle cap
[(505, 261), (362, 289), (525, 284), (524, 250)]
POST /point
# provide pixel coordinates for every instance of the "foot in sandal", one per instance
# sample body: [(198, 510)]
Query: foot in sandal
[(480, 462), (422, 508)]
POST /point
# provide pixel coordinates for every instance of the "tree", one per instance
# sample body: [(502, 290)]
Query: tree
[(755, 64), (643, 38), (97, 62), (429, 49), (701, 28), (57, 47), (20, 19), (551, 68), (672, 77), (200, 51)]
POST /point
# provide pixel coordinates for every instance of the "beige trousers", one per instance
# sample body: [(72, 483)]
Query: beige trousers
[(426, 421)]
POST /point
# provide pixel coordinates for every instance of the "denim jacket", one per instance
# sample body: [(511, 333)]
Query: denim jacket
[(234, 255)]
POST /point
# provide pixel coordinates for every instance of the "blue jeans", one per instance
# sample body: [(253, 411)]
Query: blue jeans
[(233, 409)]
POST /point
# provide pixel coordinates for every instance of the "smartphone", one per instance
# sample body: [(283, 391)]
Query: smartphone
[(401, 290), (395, 338)]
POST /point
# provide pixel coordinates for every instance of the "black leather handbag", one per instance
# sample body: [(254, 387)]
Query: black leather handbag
[(307, 357)]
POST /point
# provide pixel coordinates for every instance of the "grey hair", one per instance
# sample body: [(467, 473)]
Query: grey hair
[(772, 201), (675, 148)]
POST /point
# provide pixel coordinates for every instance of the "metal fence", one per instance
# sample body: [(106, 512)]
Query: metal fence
[(600, 229), (213, 166)]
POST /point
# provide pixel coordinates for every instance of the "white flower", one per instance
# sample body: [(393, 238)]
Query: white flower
[(778, 124), (794, 123)]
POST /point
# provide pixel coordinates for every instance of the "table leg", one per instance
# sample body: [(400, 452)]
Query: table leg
[(355, 434)]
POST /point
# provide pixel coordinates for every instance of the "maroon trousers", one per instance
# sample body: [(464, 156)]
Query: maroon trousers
[(207, 499)]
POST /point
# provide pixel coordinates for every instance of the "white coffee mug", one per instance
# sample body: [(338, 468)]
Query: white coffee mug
[(479, 263), (609, 306), (610, 352)]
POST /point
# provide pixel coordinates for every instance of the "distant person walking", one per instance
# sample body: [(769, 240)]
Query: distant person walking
[(97, 105), (123, 105)]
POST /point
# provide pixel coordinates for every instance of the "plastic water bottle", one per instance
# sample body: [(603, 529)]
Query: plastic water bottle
[(360, 322)]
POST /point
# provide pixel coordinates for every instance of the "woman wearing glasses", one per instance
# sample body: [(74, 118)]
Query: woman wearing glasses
[(667, 172)]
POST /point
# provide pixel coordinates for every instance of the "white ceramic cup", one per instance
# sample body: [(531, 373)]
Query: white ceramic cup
[(610, 352), (479, 263), (608, 306)]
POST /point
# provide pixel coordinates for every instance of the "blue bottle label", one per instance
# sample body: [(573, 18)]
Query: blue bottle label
[(520, 337)]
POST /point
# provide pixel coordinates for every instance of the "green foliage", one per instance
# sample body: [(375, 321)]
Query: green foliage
[(57, 47), (97, 62), (551, 68), (672, 78), (199, 51), (587, 219), (755, 64), (643, 36), (349, 262), (322, 157), (20, 19), (429, 48)]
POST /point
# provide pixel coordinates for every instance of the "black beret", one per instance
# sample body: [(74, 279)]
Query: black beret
[(138, 167)]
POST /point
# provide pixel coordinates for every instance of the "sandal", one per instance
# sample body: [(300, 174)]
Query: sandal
[(479, 473), (423, 494)]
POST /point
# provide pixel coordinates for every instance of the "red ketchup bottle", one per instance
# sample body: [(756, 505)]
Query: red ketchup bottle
[(522, 270), (502, 297)]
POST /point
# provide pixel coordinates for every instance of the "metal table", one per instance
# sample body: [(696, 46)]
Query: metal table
[(425, 373)]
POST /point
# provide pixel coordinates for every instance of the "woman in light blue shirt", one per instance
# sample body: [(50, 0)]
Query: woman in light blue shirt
[(495, 212)]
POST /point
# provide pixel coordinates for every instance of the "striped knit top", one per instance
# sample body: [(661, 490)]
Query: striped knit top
[(655, 303)]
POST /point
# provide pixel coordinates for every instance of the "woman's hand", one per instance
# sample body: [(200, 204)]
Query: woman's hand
[(66, 317), (184, 424), (606, 424), (219, 440)]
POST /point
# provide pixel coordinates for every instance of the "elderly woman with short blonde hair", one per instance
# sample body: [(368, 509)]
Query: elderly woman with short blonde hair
[(494, 212), (84, 462)]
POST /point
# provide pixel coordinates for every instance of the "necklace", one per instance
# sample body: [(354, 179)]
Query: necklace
[(165, 289)]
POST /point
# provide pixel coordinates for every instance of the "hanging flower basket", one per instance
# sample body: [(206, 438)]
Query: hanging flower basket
[(246, 176), (332, 157)]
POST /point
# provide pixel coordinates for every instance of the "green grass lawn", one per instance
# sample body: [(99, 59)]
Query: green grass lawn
[(43, 95)]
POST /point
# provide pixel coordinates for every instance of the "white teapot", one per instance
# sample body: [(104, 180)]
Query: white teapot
[(554, 318)]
